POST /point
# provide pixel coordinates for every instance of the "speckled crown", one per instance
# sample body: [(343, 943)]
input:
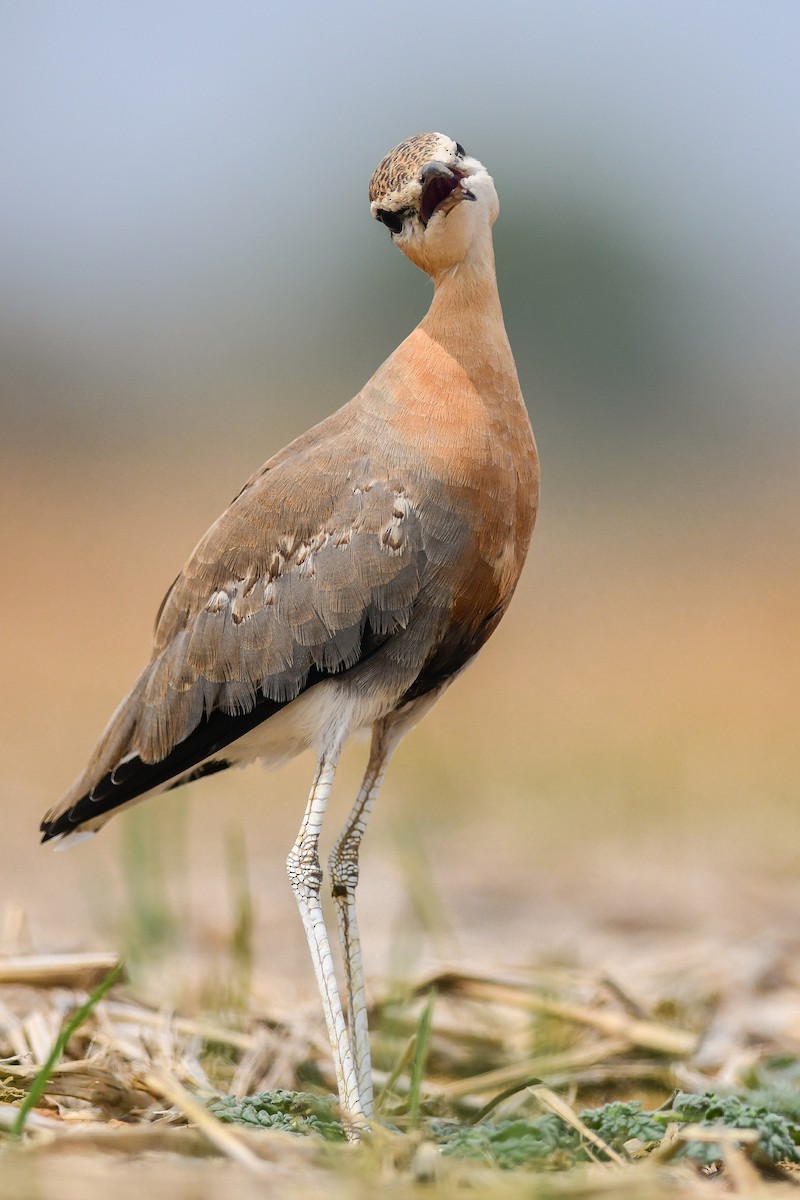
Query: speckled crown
[(402, 165)]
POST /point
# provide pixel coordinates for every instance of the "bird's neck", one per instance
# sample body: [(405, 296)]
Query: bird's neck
[(455, 371), (465, 310)]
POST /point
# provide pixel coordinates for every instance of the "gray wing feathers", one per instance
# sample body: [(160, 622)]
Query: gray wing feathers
[(226, 636)]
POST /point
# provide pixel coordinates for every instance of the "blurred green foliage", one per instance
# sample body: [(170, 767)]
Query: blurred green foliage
[(546, 1142), (295, 1112)]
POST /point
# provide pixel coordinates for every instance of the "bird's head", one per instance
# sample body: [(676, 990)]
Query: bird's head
[(434, 199)]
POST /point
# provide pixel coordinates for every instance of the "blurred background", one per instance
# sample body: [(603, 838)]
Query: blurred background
[(190, 277)]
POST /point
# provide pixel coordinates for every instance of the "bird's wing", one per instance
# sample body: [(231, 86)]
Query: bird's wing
[(314, 566)]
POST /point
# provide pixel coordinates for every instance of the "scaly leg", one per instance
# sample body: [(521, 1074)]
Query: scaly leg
[(343, 865), (305, 873)]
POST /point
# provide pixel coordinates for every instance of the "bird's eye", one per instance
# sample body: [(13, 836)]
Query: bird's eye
[(460, 151), (392, 220)]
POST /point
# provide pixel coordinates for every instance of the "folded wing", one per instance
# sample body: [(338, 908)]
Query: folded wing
[(261, 612)]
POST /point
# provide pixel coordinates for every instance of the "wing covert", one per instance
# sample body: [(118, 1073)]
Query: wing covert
[(226, 638)]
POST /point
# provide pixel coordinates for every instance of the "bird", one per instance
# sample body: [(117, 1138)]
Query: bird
[(352, 579)]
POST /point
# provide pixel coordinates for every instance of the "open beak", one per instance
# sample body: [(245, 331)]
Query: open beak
[(442, 190)]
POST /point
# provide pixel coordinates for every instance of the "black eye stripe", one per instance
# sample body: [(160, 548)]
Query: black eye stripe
[(392, 220)]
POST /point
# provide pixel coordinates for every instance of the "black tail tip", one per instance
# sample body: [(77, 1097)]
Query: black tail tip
[(53, 828)]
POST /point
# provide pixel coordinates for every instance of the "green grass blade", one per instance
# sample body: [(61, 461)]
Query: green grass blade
[(387, 1091), (242, 934), (420, 1057), (76, 1020)]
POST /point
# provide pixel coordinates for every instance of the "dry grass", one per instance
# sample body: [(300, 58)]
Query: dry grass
[(135, 1081)]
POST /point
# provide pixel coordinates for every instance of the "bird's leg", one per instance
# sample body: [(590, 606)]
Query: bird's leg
[(305, 873), (343, 866)]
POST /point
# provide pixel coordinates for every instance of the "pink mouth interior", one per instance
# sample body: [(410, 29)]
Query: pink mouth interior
[(437, 190)]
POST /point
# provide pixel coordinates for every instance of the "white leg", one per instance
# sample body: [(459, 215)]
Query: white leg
[(343, 866), (305, 874)]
